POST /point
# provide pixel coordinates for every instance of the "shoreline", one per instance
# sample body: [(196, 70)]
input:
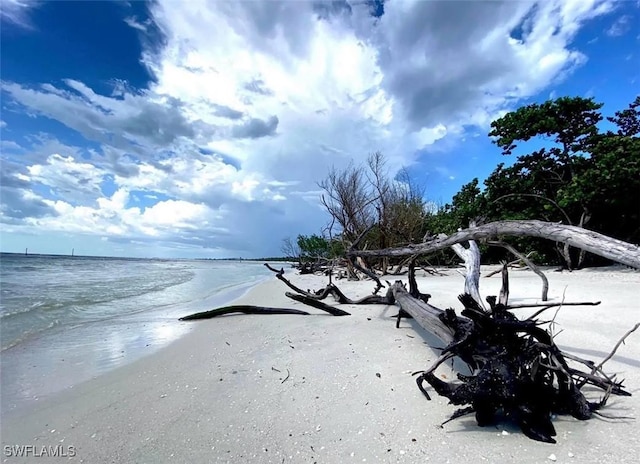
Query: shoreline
[(252, 388), (68, 368)]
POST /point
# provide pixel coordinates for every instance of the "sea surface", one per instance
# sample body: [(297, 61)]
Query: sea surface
[(64, 320)]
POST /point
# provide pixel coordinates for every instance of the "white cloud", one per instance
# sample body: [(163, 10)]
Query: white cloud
[(67, 176), (620, 26), (114, 217), (133, 22), (252, 102), (17, 12), (447, 71)]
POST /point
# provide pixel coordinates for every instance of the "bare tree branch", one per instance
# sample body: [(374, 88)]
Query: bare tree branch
[(594, 242), (529, 263)]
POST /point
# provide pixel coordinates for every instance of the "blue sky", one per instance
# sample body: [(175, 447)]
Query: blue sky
[(200, 128)]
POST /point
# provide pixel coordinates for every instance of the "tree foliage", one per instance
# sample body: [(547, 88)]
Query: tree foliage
[(315, 246), (579, 176), (312, 247), (574, 173)]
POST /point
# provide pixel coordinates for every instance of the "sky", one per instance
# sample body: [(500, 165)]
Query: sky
[(200, 129)]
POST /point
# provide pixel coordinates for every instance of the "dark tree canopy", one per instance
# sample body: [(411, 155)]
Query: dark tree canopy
[(570, 121), (577, 175)]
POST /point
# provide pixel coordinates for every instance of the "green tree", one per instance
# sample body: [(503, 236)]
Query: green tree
[(313, 247), (534, 186), (610, 182), (573, 174), (571, 121)]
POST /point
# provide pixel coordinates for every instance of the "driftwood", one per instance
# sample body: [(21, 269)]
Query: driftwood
[(244, 309), (330, 289), (317, 304), (471, 258), (516, 263), (503, 298), (426, 315), (588, 240), (517, 371)]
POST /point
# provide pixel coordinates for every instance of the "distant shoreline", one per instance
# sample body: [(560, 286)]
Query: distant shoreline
[(56, 255)]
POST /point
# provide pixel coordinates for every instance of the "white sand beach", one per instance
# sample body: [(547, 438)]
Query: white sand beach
[(305, 389)]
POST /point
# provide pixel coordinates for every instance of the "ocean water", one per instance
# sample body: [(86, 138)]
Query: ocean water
[(64, 320)]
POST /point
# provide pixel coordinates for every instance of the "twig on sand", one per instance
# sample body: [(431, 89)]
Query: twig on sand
[(615, 348)]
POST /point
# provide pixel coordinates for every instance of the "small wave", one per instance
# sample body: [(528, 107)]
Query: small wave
[(34, 307), (29, 334), (64, 294)]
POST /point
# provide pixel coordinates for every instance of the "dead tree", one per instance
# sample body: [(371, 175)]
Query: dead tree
[(588, 240)]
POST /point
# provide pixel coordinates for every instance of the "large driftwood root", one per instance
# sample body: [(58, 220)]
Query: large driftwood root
[(517, 371)]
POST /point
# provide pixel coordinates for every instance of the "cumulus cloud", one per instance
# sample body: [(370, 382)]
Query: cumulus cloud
[(422, 65), (461, 62), (252, 102), (113, 216)]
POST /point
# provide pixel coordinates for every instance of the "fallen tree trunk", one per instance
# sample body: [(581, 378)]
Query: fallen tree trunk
[(588, 240), (428, 317)]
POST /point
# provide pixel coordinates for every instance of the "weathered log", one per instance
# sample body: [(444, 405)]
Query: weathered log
[(593, 242), (244, 309), (551, 305), (427, 316)]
